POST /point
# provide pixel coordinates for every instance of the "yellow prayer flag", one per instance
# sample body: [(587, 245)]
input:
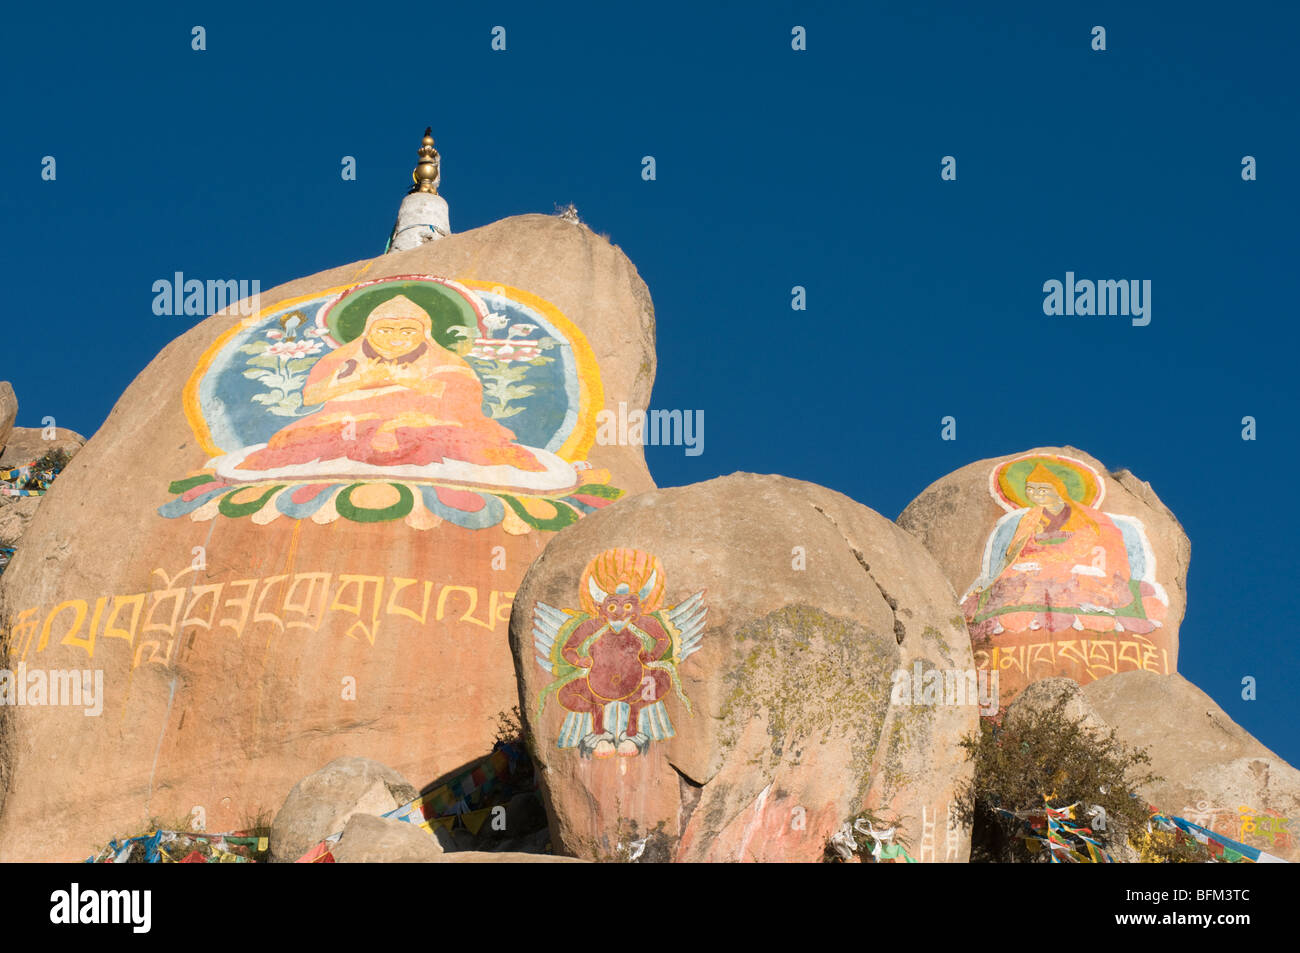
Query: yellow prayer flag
[(474, 819)]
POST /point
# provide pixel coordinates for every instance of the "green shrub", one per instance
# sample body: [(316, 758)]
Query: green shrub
[(1045, 753)]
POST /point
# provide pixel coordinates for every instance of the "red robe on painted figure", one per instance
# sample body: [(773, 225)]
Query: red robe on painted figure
[(616, 663), (423, 407)]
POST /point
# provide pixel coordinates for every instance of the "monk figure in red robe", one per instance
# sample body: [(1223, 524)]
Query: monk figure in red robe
[(1066, 566), (393, 397)]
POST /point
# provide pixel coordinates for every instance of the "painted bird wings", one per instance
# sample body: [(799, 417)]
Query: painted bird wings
[(685, 624), (551, 629), (548, 624)]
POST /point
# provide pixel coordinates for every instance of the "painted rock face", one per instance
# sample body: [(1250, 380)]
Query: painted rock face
[(763, 624), (1062, 568), (380, 403), (319, 514), (1210, 771)]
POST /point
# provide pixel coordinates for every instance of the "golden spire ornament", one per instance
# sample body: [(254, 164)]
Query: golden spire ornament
[(423, 215), (425, 176)]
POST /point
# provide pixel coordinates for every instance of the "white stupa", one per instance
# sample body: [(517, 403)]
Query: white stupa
[(423, 216)]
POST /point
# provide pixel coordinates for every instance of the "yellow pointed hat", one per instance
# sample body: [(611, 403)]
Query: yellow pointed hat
[(399, 307), (1040, 474)]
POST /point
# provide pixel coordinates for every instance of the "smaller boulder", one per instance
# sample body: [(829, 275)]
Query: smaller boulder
[(27, 444), (322, 803), (379, 840), (1046, 692)]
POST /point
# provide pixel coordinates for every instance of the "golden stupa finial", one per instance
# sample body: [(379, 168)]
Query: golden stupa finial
[(425, 175)]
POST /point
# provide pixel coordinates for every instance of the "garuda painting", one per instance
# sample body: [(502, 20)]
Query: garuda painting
[(616, 660)]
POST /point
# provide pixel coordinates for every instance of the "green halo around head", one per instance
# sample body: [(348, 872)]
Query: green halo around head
[(448, 309), (1082, 481)]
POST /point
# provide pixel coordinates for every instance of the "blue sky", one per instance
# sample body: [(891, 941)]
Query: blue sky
[(775, 169)]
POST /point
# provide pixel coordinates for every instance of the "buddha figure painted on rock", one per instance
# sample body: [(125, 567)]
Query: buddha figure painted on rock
[(1058, 563), (393, 397)]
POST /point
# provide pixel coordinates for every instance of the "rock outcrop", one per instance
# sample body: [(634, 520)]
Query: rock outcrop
[(20, 498), (707, 673), (1214, 772), (27, 444), (1061, 567), (20, 446), (315, 523)]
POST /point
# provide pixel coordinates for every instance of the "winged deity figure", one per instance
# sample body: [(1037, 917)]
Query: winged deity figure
[(616, 660)]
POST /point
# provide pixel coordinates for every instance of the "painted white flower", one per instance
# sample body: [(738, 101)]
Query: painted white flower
[(293, 349), (519, 330), (495, 321)]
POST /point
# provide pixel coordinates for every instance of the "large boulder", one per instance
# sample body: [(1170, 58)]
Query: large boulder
[(8, 411), (267, 583), (323, 803), (1061, 567), (1213, 772), (769, 623)]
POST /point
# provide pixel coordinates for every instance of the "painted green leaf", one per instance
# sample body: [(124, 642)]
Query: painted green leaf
[(602, 490), (182, 486)]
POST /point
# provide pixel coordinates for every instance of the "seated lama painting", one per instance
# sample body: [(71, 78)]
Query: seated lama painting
[(1064, 587), (417, 397)]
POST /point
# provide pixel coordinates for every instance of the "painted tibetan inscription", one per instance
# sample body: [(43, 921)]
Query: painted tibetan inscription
[(415, 398), (615, 660), (1065, 589)]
